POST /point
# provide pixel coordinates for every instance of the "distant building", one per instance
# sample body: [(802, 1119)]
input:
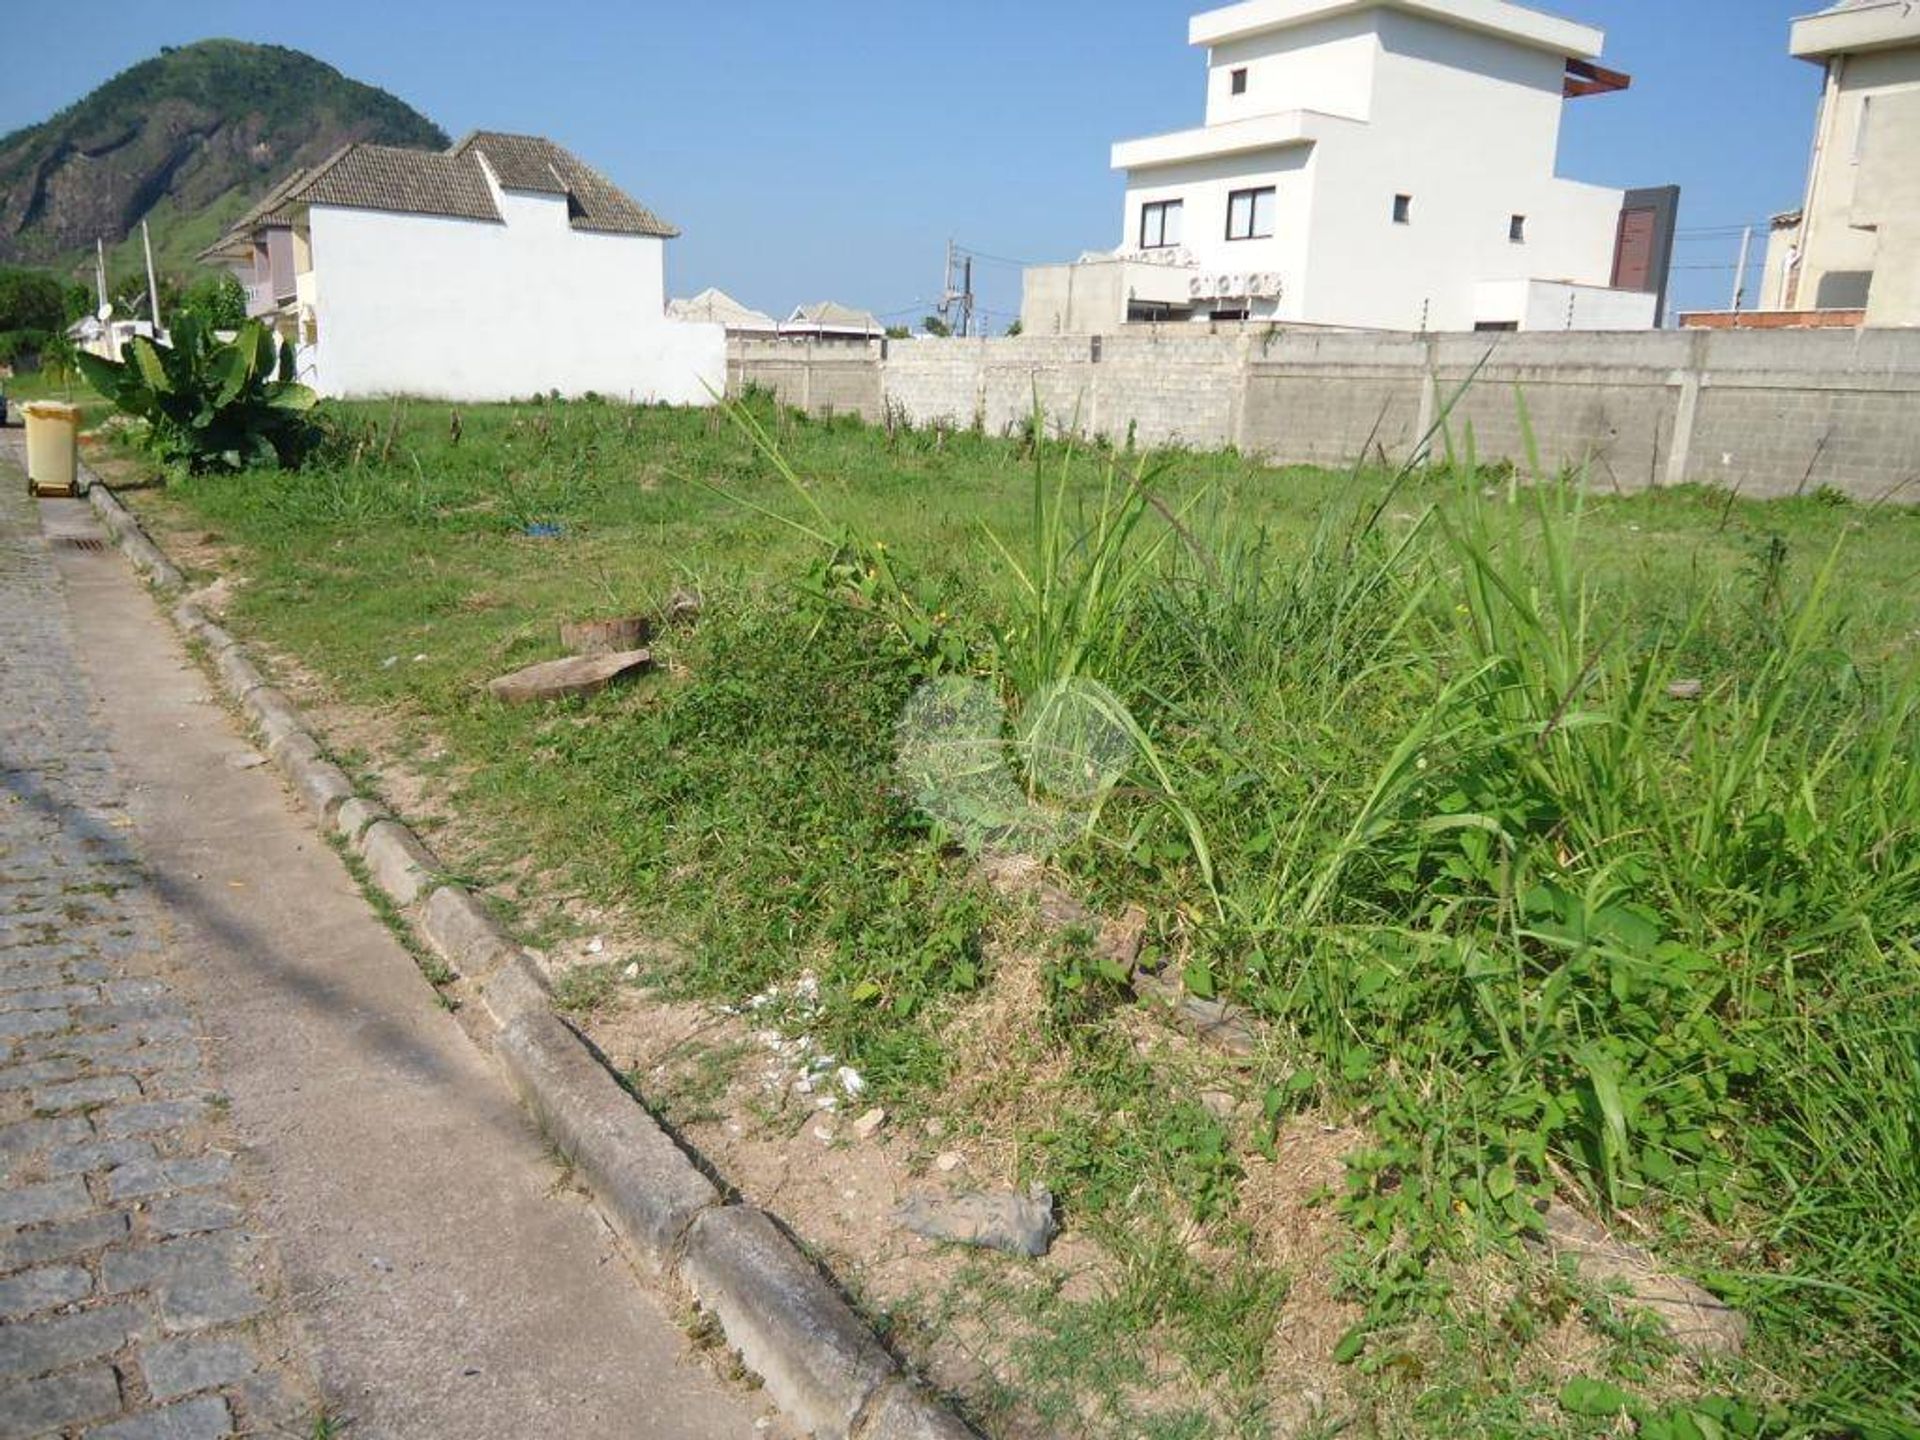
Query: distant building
[(1385, 164), (1851, 253), (499, 268), (830, 321), (716, 307)]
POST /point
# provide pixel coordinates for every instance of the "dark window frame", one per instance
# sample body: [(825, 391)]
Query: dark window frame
[(1517, 229), (1237, 80), (1253, 194), (1163, 208), (1403, 209)]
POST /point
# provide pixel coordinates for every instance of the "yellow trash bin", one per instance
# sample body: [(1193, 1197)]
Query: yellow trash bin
[(53, 447)]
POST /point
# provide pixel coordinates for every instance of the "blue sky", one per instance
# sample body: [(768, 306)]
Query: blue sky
[(829, 149)]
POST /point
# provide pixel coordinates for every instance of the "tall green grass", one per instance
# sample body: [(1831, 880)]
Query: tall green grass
[(1565, 892)]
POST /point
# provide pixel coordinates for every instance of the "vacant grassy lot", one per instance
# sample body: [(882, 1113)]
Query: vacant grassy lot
[(1565, 846)]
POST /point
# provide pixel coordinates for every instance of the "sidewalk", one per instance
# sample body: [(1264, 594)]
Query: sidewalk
[(439, 1276)]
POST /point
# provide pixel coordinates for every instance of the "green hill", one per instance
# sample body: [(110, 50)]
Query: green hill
[(186, 141)]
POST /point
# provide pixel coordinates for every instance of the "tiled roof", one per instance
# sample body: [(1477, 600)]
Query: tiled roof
[(449, 183), (831, 315), (529, 162), (409, 182), (274, 208), (720, 308)]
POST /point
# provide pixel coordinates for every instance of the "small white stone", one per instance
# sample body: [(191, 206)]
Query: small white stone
[(868, 1125), (948, 1161), (632, 972), (595, 945), (850, 1081), (823, 1133)]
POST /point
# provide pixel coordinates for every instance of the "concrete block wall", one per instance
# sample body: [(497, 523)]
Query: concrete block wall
[(1772, 412)]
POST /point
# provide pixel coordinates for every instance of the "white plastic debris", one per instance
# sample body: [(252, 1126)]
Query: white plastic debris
[(850, 1081)]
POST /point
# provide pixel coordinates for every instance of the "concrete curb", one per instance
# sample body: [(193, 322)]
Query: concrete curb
[(790, 1325)]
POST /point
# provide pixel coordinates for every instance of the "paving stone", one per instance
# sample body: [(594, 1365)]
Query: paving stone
[(97, 1155), (58, 1242), (58, 998), (126, 991), (29, 976), (179, 1367), (43, 1289), (131, 1012), (148, 1117), (198, 1281), (205, 1419), (95, 1090), (42, 1407), (188, 1214), (152, 1177), (34, 1022), (28, 1137), (52, 1200), (33, 1347), (274, 1405), (40, 1072)]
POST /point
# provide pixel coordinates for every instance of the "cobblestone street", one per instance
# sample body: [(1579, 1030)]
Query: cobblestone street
[(135, 1298), (255, 1179)]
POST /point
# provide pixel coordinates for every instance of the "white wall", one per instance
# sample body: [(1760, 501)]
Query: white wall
[(470, 310), (1549, 305), (1327, 66), (1202, 187), (1467, 125)]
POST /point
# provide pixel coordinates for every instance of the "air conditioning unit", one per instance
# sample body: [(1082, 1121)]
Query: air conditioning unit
[(1266, 285)]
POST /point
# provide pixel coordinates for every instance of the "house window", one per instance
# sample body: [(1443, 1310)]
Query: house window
[(1517, 229), (1403, 209), (1159, 224), (1240, 81), (1250, 214)]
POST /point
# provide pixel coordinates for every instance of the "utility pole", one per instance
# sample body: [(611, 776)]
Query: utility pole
[(153, 284), (957, 299), (1740, 270)]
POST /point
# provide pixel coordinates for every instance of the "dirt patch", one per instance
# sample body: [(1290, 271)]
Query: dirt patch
[(1288, 1203)]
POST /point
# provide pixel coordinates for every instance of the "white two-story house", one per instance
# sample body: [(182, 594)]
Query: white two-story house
[(500, 268), (1387, 164)]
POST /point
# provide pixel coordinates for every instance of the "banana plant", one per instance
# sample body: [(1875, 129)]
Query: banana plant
[(212, 404)]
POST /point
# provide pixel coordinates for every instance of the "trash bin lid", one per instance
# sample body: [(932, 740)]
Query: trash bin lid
[(50, 410)]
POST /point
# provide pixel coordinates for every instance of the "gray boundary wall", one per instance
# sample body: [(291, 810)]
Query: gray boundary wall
[(1769, 412)]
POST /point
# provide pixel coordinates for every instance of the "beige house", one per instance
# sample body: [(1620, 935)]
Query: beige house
[(716, 307), (1852, 252)]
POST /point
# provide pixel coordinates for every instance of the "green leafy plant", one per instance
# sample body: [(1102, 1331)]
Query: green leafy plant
[(212, 404)]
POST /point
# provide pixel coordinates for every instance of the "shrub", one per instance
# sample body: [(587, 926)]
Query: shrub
[(209, 404)]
